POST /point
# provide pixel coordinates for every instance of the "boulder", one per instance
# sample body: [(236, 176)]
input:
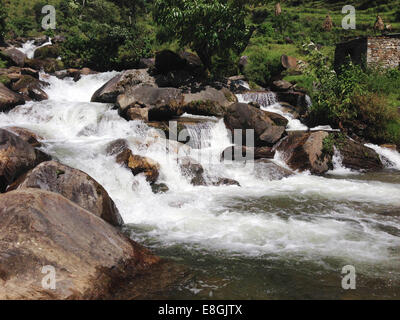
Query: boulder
[(268, 127), (281, 85), (30, 88), (28, 136), (208, 102), (267, 170), (162, 103), (243, 153), (192, 61), (167, 60), (288, 62), (109, 92), (48, 65), (226, 182), (305, 151), (16, 157), (14, 57), (356, 156), (116, 147), (9, 99), (74, 185), (43, 232), (159, 188), (193, 170), (295, 98), (138, 164)]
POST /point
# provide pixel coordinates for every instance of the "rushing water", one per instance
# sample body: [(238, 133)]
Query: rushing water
[(267, 239), (29, 47)]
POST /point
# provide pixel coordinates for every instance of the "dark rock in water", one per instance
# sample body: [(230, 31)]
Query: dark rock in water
[(356, 156), (74, 185), (14, 57), (138, 164), (91, 258), (266, 125), (9, 99), (116, 147), (137, 114), (305, 151), (208, 102), (265, 169), (226, 182), (294, 98), (243, 153), (16, 157), (167, 60), (162, 103), (26, 135), (192, 169), (159, 188), (30, 87)]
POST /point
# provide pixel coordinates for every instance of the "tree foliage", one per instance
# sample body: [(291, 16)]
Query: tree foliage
[(3, 16), (209, 27)]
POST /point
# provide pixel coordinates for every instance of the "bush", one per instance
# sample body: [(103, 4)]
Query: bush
[(263, 65)]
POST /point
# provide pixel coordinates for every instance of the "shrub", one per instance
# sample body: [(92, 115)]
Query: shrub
[(263, 65)]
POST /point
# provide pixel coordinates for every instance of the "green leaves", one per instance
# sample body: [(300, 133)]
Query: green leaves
[(208, 27)]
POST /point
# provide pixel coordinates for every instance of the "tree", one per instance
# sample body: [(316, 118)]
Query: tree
[(209, 27), (3, 16)]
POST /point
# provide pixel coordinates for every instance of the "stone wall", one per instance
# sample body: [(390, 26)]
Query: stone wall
[(384, 51), (381, 50)]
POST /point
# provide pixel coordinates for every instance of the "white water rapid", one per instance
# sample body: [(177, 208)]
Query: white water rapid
[(298, 218), (29, 47)]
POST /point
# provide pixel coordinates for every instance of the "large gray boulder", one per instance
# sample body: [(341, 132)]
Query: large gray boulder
[(161, 103), (109, 92), (268, 127), (41, 231), (74, 185), (14, 57)]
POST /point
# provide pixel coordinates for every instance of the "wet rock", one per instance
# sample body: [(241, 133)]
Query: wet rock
[(91, 258), (304, 151), (116, 147), (28, 136), (268, 127), (138, 164), (138, 114), (48, 65), (208, 102), (16, 157), (281, 85), (356, 156), (294, 98), (243, 153), (267, 170), (192, 169), (14, 57), (109, 92), (162, 103), (159, 188), (74, 185), (30, 87), (226, 182), (9, 99)]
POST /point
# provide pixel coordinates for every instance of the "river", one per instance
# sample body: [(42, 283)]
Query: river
[(268, 239)]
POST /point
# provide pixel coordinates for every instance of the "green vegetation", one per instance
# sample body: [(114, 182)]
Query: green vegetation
[(208, 27), (3, 16)]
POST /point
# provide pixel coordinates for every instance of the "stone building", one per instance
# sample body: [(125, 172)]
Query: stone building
[(380, 50)]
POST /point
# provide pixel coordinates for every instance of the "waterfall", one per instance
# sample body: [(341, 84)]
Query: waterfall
[(338, 167), (269, 102), (29, 47), (200, 134), (391, 158)]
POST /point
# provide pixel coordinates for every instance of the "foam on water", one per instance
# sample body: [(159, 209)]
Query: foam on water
[(215, 218), (29, 48)]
